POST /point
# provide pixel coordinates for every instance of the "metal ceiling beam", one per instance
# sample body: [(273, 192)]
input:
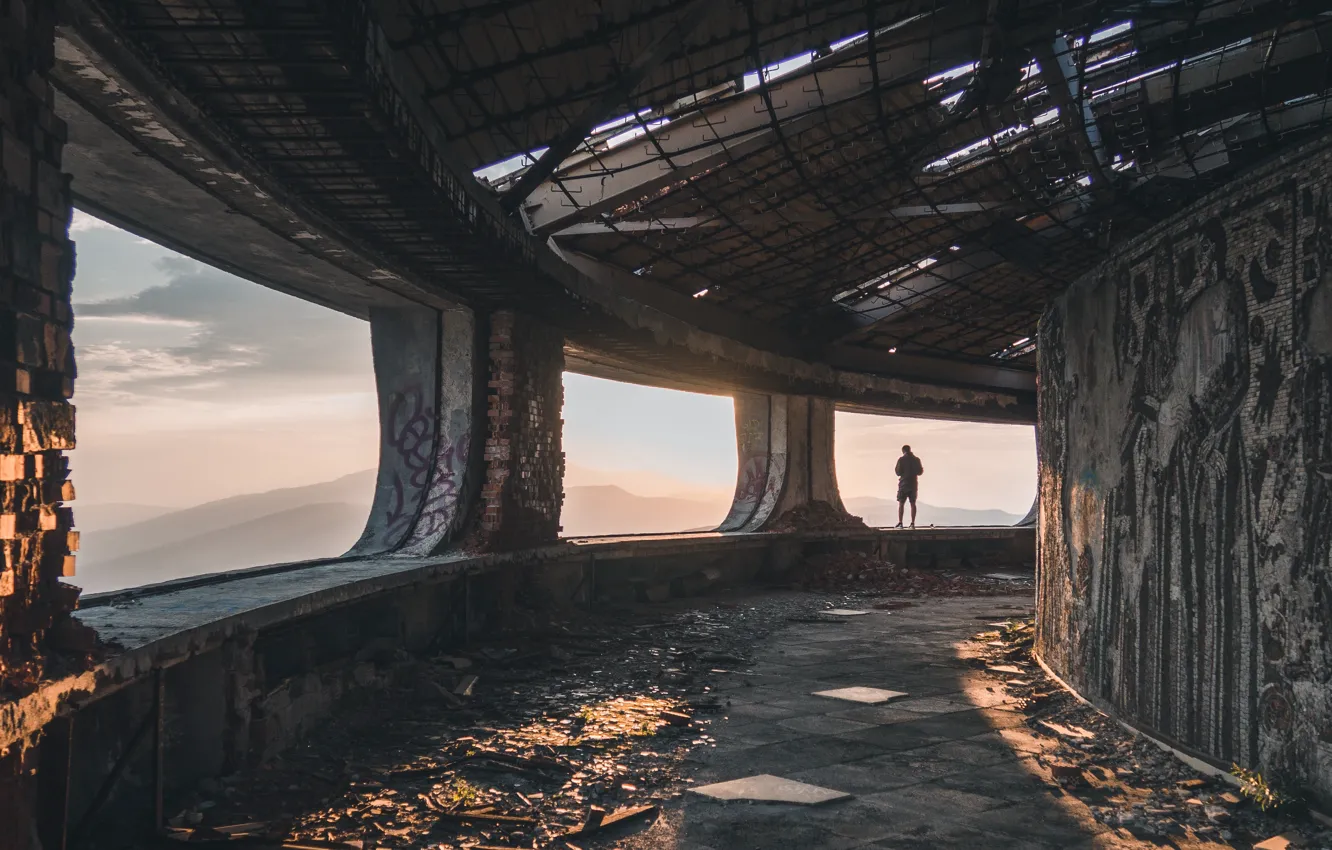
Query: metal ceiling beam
[(592, 228), (1063, 80), (605, 107), (696, 142)]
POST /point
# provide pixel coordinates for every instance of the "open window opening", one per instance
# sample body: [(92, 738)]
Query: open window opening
[(644, 459), (975, 473), (222, 425)]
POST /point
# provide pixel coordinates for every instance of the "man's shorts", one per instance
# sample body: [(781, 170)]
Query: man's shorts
[(906, 490)]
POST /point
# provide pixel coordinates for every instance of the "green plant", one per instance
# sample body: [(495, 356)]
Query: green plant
[(1256, 787), (462, 793)]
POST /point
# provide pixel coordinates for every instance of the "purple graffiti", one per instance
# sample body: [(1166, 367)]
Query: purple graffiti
[(409, 428), (441, 502)]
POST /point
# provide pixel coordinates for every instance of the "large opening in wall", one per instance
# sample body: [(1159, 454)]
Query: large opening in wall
[(645, 459), (975, 473), (221, 424)]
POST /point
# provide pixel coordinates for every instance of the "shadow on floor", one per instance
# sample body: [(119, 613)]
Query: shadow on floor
[(950, 765)]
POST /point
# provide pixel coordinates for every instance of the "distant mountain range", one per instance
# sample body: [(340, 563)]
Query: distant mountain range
[(125, 545), (607, 509), (291, 524), (881, 513)]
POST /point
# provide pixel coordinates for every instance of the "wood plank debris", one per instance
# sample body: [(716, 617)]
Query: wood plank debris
[(598, 820), (481, 816)]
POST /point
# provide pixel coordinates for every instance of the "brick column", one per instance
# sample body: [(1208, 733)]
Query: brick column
[(524, 485), (36, 358), (36, 381)]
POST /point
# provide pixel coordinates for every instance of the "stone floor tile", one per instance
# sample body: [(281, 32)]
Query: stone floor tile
[(766, 788), (758, 711), (820, 724), (871, 696)]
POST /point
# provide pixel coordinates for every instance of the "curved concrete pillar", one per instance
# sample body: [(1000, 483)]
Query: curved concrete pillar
[(785, 447), (429, 374), (1185, 452), (1033, 515), (753, 423)]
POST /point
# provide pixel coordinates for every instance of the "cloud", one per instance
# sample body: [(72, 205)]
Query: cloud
[(208, 333), (82, 223)]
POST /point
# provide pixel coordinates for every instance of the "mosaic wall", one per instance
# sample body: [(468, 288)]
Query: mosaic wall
[(1185, 446)]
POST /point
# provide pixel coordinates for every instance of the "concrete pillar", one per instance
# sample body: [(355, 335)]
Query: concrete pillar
[(430, 372), (1185, 406), (1033, 514), (785, 447), (470, 432), (36, 380)]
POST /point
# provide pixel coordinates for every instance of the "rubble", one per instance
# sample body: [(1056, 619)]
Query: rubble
[(577, 732), (873, 575), (567, 730), (1129, 783), (816, 516)]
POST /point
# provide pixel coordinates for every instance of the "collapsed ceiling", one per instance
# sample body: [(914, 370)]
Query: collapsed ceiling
[(903, 178)]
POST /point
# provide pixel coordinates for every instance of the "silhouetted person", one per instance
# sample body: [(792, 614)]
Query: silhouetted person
[(909, 469)]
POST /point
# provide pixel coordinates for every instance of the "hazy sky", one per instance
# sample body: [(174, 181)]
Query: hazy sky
[(195, 385)]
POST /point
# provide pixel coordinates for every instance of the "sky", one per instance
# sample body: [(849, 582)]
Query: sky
[(195, 385)]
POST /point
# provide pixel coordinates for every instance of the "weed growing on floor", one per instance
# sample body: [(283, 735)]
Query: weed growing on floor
[(461, 793), (1256, 787)]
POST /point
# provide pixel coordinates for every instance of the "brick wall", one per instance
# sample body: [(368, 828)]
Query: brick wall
[(524, 485), (1186, 477), (36, 358)]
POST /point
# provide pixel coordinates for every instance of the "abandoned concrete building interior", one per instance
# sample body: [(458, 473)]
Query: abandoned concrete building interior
[(1111, 221)]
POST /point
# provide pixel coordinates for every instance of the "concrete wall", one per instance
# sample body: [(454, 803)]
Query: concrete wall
[(1185, 446)]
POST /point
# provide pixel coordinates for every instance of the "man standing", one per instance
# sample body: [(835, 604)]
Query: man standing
[(909, 468)]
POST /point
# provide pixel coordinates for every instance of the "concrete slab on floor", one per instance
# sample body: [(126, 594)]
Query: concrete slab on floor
[(765, 788), (870, 696)]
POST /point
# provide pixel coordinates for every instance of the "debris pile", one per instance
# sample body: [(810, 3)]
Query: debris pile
[(558, 736), (816, 516), (842, 571), (1129, 783)]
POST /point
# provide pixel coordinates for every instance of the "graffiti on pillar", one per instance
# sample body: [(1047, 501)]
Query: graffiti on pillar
[(439, 514), (753, 440), (411, 434), (752, 415), (1186, 530)]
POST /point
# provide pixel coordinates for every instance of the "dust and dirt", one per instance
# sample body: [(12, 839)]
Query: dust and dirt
[(1146, 794)]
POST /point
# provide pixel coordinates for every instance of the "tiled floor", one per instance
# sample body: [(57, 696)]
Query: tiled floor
[(947, 766)]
